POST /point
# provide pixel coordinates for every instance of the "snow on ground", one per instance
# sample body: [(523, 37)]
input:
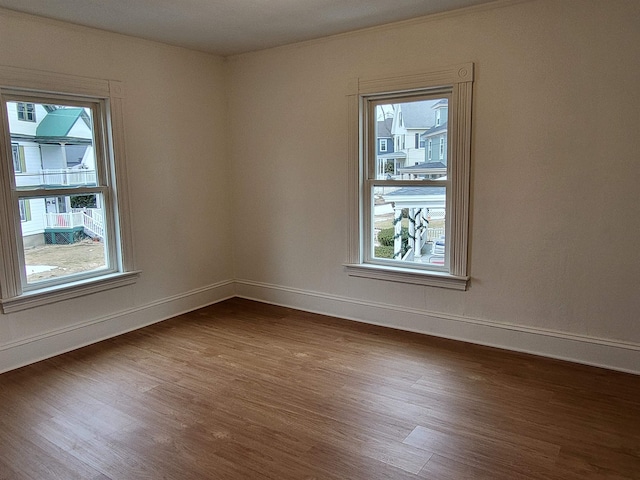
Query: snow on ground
[(31, 269)]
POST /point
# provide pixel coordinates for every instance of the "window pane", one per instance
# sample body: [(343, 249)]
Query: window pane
[(409, 224), (64, 236), (55, 148), (414, 134)]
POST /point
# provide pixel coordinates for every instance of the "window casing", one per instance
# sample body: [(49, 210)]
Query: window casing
[(453, 84), (80, 195)]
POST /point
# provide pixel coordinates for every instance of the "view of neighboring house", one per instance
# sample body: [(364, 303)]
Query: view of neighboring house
[(418, 134), (385, 145), (412, 139), (52, 146)]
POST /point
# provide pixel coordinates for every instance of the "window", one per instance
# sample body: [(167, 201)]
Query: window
[(383, 144), (26, 112), (18, 159), (413, 227), (64, 221), (25, 210)]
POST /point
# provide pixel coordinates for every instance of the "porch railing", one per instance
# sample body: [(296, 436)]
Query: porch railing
[(91, 219), (60, 177)]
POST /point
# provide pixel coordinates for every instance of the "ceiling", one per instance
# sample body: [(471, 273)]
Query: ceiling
[(228, 27)]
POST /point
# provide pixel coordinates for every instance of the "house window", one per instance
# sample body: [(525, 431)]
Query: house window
[(438, 118), (383, 144), (18, 161), (25, 210), (79, 213), (429, 149), (411, 228), (26, 112), (417, 141), (441, 148)]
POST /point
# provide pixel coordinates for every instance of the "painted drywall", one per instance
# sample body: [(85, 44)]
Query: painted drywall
[(237, 170), (178, 171), (555, 203)]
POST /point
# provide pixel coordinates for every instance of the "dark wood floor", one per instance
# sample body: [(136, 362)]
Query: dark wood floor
[(243, 390)]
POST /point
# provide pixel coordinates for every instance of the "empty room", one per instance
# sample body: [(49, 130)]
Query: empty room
[(320, 240)]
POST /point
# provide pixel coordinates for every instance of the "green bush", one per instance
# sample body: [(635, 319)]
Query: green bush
[(385, 237), (383, 252)]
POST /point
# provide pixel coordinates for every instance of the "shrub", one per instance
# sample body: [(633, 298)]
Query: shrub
[(383, 252), (385, 237)]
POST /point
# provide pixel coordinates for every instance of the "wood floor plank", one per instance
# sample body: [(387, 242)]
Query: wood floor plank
[(243, 390)]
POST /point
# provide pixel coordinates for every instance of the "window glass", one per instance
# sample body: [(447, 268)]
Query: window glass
[(408, 189), (63, 235), (409, 224), (73, 239), (419, 121), (59, 152)]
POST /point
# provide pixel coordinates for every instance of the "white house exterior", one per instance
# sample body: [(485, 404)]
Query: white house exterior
[(419, 132), (51, 146), (410, 121)]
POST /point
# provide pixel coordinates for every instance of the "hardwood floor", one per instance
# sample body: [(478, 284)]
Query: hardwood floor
[(243, 390)]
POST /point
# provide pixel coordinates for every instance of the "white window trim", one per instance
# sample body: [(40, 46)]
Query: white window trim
[(460, 79), (112, 93)]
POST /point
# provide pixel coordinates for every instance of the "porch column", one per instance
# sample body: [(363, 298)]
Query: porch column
[(397, 233), (412, 233), (419, 232)]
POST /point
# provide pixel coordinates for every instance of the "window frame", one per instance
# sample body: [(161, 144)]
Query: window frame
[(108, 95), (457, 80)]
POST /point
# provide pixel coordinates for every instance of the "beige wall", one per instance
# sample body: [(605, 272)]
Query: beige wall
[(256, 190), (178, 170), (555, 203)]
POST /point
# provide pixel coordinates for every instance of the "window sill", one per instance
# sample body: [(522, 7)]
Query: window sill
[(406, 275), (45, 296)]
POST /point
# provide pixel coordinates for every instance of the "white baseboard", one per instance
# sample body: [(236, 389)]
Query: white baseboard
[(54, 342), (611, 354), (598, 352)]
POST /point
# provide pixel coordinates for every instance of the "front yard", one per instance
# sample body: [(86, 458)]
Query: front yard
[(52, 261)]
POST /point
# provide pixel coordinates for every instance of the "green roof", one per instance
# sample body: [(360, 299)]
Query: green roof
[(58, 123)]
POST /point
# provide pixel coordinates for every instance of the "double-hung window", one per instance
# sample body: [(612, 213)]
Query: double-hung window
[(412, 226), (64, 221), (26, 111)]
